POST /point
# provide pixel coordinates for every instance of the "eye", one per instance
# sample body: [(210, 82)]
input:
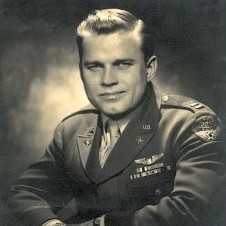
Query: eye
[(93, 66), (123, 64)]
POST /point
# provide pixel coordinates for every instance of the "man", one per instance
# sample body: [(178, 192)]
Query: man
[(137, 157)]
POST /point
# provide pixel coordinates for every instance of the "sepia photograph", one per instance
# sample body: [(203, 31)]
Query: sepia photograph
[(113, 113)]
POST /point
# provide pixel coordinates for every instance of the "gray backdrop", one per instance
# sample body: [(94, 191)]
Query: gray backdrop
[(40, 81)]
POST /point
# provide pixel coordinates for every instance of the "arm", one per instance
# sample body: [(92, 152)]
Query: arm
[(196, 196), (44, 187)]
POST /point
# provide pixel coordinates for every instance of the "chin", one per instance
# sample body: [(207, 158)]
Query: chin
[(117, 114), (110, 112), (109, 109)]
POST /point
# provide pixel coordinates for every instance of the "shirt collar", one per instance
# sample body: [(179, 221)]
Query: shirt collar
[(122, 123)]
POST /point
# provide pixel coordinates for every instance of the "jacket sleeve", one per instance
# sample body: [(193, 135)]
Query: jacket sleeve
[(44, 187), (197, 196)]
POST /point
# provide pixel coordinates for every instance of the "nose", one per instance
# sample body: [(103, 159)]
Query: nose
[(108, 78)]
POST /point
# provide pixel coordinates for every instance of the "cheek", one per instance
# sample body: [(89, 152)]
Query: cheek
[(139, 87), (89, 83), (137, 83)]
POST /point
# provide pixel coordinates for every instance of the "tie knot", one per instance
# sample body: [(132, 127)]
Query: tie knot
[(113, 128)]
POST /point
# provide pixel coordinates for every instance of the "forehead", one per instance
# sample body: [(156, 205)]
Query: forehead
[(115, 44)]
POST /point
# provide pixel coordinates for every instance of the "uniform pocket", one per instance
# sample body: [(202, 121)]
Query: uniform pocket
[(149, 190)]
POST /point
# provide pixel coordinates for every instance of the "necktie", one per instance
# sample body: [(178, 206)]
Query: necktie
[(112, 135)]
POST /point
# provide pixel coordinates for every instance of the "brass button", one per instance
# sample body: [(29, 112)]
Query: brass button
[(158, 192), (165, 99)]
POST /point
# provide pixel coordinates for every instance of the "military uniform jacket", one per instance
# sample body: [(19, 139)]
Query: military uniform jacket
[(165, 169)]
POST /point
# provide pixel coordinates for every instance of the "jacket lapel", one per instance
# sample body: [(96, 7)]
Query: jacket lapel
[(92, 167), (136, 136), (85, 142)]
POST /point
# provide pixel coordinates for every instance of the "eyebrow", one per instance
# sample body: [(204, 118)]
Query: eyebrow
[(86, 63), (129, 60), (118, 61)]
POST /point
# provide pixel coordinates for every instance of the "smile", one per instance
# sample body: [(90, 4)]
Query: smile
[(112, 95)]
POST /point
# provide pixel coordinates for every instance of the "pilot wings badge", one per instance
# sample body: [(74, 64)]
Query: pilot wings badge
[(149, 161)]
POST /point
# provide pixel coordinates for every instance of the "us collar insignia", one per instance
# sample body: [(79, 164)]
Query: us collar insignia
[(139, 140), (149, 161)]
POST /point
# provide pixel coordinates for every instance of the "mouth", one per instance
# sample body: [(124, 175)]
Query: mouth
[(112, 95)]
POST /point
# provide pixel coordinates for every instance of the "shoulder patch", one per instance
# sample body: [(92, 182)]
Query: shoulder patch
[(207, 128)]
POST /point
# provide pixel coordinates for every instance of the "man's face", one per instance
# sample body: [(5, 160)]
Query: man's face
[(114, 72)]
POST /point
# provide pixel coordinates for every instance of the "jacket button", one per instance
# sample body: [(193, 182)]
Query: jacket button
[(165, 99), (158, 192)]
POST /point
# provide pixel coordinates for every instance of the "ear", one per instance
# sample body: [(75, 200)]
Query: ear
[(151, 68)]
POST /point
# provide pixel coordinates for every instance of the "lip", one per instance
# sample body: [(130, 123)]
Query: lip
[(112, 95)]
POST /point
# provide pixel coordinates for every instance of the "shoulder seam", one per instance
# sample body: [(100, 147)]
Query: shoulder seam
[(85, 111), (178, 107), (182, 102)]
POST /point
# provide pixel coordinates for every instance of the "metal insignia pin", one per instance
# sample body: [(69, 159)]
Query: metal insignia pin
[(139, 140), (87, 142), (92, 130)]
